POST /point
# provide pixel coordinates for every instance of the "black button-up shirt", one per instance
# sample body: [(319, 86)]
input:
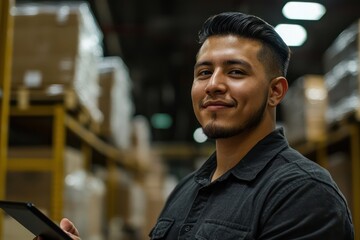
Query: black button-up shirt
[(272, 193)]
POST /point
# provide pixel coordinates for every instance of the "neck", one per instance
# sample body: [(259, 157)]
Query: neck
[(230, 151)]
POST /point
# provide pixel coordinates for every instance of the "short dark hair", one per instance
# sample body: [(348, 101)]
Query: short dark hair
[(275, 52)]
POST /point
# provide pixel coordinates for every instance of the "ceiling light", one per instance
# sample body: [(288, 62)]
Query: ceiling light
[(303, 10), (292, 34)]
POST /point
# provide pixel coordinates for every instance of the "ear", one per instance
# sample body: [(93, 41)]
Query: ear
[(277, 90)]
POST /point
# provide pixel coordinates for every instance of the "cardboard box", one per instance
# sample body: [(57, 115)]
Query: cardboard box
[(42, 71), (304, 109), (342, 74), (83, 197), (45, 36), (58, 43), (32, 187), (115, 101)]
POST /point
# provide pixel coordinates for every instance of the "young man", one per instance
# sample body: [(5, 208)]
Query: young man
[(254, 186)]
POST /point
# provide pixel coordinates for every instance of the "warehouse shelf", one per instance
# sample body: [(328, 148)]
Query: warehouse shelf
[(64, 127), (61, 122), (54, 123)]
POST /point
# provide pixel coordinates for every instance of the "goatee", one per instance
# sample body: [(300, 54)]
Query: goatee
[(214, 131)]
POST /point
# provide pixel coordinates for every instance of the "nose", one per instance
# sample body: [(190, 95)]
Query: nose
[(216, 84)]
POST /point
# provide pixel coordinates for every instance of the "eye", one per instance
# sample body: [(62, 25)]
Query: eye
[(203, 74), (237, 73)]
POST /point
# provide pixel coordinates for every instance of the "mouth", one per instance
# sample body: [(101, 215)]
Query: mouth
[(215, 105)]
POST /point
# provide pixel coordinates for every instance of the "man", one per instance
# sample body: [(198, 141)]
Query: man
[(254, 186)]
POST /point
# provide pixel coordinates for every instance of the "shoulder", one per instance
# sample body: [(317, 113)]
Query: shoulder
[(294, 178), (301, 193), (296, 166)]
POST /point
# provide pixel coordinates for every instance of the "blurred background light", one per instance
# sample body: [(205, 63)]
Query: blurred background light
[(292, 34), (303, 10), (161, 121), (199, 135)]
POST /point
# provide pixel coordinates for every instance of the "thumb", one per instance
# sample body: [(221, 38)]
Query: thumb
[(68, 226)]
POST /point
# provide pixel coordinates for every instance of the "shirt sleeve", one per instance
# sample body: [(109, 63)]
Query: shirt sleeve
[(306, 209)]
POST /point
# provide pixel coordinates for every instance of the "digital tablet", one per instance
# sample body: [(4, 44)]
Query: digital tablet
[(34, 220)]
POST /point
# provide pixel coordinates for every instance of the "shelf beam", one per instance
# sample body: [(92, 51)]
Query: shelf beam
[(27, 164), (6, 44), (99, 145)]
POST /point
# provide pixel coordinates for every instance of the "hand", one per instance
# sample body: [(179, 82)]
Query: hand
[(68, 227)]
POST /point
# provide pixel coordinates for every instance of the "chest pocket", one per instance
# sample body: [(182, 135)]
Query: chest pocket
[(221, 230), (161, 228)]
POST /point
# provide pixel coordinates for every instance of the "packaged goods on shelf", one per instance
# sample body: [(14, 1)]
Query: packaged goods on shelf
[(84, 194), (34, 185), (30, 187), (141, 142), (304, 109), (84, 203), (57, 46), (130, 204), (154, 185), (342, 75), (115, 101), (122, 183)]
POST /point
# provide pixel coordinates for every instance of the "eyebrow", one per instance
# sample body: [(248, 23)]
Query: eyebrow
[(226, 63), (202, 63)]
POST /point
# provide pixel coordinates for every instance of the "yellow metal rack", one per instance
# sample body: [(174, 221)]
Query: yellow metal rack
[(62, 121), (6, 35)]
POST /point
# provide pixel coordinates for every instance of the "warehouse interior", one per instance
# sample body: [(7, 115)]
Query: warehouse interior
[(106, 140)]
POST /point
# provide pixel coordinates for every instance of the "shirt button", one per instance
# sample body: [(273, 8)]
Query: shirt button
[(187, 228)]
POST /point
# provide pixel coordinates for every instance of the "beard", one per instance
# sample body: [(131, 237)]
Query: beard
[(214, 131)]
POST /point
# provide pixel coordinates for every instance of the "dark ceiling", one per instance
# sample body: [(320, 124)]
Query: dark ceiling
[(157, 41)]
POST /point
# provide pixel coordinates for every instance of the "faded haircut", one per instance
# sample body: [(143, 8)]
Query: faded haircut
[(274, 55)]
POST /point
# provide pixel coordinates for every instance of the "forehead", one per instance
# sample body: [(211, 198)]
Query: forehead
[(229, 46)]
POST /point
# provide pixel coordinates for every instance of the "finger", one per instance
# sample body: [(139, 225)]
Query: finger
[(69, 227)]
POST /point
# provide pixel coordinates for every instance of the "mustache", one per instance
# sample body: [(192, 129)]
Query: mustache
[(217, 101)]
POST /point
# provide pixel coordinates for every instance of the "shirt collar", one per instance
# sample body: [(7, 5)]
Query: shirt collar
[(253, 162)]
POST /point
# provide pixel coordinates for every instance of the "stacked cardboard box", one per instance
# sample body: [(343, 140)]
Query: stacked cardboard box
[(57, 46), (137, 203), (304, 109), (84, 203), (341, 63), (115, 101)]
